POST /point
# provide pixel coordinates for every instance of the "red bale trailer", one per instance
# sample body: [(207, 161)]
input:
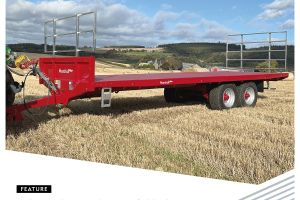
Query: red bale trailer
[(71, 78)]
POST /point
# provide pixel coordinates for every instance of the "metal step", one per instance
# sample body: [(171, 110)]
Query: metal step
[(105, 97)]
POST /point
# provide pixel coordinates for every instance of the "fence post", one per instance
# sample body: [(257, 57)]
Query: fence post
[(227, 52), (77, 35), (242, 51), (54, 35)]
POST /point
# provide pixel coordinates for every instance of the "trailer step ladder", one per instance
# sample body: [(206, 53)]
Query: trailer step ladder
[(105, 97)]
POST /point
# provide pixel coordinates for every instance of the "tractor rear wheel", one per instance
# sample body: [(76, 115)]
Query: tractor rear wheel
[(10, 96)]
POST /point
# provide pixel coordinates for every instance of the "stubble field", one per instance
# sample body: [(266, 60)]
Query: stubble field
[(142, 130)]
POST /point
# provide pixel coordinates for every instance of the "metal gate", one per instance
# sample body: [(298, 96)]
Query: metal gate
[(269, 50), (54, 35)]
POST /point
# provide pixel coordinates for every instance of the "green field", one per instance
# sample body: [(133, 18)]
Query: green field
[(129, 61)]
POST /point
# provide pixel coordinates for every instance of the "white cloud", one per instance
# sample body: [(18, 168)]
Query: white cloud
[(204, 31), (234, 7), (116, 24), (276, 9), (214, 30), (166, 6), (270, 14), (280, 5), (235, 20), (288, 24)]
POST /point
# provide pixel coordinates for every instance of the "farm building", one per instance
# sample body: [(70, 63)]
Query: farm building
[(156, 63)]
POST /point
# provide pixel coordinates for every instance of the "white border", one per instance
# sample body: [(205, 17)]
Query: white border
[(73, 179)]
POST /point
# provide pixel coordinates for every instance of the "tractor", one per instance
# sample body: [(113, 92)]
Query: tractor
[(13, 61)]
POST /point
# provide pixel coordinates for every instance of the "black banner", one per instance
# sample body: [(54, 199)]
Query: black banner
[(34, 189)]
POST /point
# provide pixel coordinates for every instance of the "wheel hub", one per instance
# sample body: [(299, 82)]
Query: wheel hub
[(247, 95), (225, 97), (228, 97)]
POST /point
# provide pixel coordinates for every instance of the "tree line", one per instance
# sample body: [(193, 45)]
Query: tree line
[(125, 46), (203, 54), (212, 54)]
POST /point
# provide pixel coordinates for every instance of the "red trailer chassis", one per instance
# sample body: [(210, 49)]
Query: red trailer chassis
[(74, 78)]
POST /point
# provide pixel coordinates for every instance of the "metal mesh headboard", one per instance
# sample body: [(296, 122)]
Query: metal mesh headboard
[(270, 41), (54, 35)]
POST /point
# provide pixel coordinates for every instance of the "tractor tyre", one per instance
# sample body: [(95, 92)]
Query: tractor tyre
[(10, 96)]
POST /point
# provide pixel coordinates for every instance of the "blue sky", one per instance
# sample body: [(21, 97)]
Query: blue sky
[(154, 22)]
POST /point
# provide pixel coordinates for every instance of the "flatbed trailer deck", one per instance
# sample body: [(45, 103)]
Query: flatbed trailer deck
[(70, 78), (163, 80)]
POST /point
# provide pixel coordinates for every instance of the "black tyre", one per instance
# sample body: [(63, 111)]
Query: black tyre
[(173, 95), (10, 97), (223, 97), (247, 95)]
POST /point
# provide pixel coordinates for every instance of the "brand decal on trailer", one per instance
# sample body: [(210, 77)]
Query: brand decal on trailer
[(165, 82), (65, 71)]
